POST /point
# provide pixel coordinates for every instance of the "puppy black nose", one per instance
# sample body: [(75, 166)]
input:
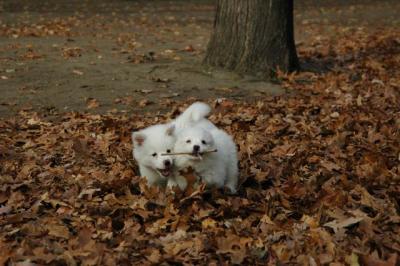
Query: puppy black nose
[(167, 163), (196, 147)]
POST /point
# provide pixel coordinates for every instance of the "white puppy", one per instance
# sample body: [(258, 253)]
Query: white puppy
[(218, 168), (152, 145), (149, 145)]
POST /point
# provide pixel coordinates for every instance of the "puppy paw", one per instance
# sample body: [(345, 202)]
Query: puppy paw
[(232, 190), (178, 181), (171, 183), (181, 182)]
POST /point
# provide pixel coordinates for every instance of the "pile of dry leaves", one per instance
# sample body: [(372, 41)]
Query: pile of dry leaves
[(320, 175)]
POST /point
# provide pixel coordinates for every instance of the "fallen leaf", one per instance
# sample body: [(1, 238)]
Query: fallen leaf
[(336, 225), (92, 103), (77, 72), (4, 210), (58, 231)]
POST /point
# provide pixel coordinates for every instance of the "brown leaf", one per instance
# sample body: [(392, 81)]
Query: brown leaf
[(58, 230), (77, 72), (373, 260), (155, 256), (336, 225), (234, 245), (4, 210), (92, 103)]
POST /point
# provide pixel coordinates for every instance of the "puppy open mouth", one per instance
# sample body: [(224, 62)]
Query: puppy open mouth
[(197, 155), (165, 172)]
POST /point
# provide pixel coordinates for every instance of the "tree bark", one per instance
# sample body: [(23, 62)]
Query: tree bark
[(253, 36)]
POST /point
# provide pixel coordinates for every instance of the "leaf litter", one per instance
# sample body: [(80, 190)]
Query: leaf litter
[(319, 177)]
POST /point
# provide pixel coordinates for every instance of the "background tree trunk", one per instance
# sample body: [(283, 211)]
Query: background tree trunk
[(253, 36)]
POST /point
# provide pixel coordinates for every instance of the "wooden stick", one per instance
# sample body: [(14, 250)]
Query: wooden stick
[(187, 153)]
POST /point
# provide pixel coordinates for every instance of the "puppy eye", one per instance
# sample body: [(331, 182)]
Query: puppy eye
[(154, 154), (204, 142), (168, 151), (188, 141)]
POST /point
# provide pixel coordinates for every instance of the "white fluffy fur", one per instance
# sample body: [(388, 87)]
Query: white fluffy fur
[(149, 144), (158, 139), (217, 169), (194, 115)]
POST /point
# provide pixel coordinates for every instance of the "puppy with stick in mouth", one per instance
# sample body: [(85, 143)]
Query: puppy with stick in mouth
[(153, 145), (212, 154)]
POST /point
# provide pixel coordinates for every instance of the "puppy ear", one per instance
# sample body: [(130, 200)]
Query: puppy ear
[(138, 138), (170, 130)]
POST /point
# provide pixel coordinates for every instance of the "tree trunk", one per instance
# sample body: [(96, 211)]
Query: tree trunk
[(253, 36)]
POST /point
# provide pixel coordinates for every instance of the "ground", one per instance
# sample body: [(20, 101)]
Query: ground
[(55, 55), (319, 150)]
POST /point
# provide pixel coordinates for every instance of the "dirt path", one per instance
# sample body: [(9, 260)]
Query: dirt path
[(60, 56)]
